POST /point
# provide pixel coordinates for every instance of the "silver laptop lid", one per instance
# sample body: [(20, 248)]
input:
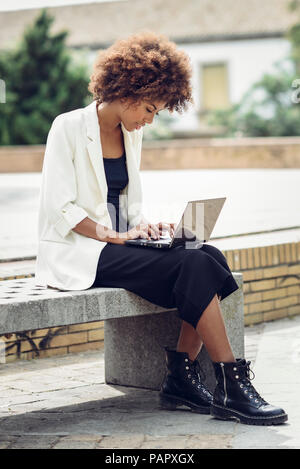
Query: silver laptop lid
[(198, 220)]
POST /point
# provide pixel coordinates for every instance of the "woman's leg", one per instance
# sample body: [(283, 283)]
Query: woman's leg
[(189, 341), (182, 383), (211, 331)]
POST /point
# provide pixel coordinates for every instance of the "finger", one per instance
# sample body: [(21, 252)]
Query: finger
[(155, 229), (144, 234), (133, 234), (169, 227), (152, 231), (154, 234), (159, 229), (163, 225)]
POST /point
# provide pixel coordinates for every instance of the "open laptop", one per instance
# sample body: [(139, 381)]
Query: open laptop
[(194, 229)]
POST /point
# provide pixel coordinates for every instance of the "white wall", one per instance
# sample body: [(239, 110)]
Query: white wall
[(247, 60)]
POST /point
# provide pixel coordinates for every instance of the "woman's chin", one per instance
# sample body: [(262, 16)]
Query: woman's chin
[(132, 127), (129, 127)]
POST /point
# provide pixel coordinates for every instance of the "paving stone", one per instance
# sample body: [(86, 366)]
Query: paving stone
[(34, 442), (122, 441), (208, 441), (77, 442), (202, 441), (6, 441)]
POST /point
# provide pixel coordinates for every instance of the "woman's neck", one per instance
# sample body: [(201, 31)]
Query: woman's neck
[(108, 118)]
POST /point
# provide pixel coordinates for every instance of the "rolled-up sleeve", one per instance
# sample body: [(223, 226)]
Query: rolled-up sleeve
[(59, 186)]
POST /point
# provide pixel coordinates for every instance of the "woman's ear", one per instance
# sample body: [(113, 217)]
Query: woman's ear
[(126, 103)]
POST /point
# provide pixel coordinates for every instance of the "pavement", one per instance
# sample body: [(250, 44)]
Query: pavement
[(64, 403)]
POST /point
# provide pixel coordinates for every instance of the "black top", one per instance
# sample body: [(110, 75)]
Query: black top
[(117, 179)]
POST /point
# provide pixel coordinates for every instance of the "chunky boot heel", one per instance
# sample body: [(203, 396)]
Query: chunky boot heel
[(236, 398), (182, 384)]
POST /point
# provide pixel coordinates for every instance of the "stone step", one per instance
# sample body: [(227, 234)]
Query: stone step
[(17, 269)]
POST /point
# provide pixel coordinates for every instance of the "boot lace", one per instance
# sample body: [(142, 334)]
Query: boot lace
[(197, 371), (246, 381)]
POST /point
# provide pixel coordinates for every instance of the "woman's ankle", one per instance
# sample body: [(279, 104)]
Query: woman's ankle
[(226, 358), (192, 352)]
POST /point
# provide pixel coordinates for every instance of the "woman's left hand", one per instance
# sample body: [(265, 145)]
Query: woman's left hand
[(170, 227)]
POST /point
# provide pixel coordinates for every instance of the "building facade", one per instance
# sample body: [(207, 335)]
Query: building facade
[(231, 43)]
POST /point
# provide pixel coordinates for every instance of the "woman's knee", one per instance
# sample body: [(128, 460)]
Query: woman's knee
[(206, 252), (212, 250), (215, 253)]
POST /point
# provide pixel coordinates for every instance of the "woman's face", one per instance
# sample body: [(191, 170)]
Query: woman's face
[(136, 115)]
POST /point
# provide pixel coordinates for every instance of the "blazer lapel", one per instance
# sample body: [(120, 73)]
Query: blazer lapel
[(94, 147), (132, 167), (134, 189)]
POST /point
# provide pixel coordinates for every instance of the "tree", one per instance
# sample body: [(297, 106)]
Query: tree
[(268, 107), (42, 81)]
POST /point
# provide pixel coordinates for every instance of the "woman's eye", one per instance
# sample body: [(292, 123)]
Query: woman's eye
[(152, 111), (157, 114)]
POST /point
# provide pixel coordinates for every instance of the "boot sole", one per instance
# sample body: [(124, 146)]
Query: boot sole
[(170, 402), (224, 413)]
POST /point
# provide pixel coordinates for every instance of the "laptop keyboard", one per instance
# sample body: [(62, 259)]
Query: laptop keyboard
[(162, 239)]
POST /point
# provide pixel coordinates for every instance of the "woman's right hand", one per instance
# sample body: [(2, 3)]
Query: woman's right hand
[(144, 231)]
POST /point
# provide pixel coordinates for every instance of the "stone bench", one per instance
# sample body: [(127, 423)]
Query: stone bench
[(135, 330)]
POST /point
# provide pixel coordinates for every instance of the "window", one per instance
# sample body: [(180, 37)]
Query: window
[(215, 92)]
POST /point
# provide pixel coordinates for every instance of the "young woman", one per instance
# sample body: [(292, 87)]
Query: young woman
[(91, 202)]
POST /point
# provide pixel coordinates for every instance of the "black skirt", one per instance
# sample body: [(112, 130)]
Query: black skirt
[(186, 279)]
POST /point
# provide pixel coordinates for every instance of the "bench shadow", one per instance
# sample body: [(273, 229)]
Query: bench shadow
[(134, 411)]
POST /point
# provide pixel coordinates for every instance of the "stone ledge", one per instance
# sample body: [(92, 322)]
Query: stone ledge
[(23, 311), (266, 152)]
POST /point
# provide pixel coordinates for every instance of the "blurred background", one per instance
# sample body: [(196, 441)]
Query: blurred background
[(245, 57), (240, 139)]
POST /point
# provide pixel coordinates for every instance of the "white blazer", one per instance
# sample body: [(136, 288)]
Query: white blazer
[(74, 187)]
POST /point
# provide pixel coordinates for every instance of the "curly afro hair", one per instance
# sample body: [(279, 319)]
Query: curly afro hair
[(145, 66)]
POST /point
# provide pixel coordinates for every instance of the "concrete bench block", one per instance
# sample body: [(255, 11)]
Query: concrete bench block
[(134, 354)]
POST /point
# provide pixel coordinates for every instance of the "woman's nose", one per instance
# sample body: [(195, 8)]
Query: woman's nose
[(149, 120)]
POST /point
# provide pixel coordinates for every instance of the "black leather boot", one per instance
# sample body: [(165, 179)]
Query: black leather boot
[(236, 398), (182, 384)]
